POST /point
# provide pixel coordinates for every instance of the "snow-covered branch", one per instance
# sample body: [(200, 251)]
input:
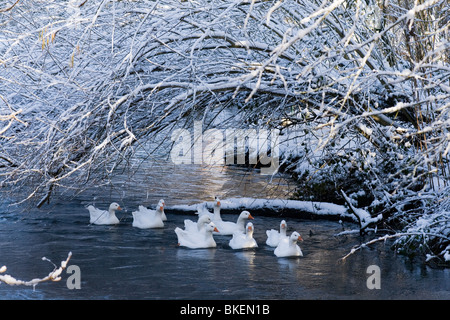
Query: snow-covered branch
[(364, 218), (54, 275)]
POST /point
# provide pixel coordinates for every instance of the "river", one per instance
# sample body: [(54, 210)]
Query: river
[(123, 262)]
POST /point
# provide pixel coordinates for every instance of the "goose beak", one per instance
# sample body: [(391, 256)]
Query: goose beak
[(119, 208), (161, 208), (283, 226), (300, 238), (215, 229), (250, 228), (218, 203), (250, 217)]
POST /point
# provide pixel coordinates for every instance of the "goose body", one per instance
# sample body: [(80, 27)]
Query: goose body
[(288, 246), (274, 237), (229, 228), (202, 210), (244, 240), (146, 219), (199, 239), (198, 226), (102, 217)]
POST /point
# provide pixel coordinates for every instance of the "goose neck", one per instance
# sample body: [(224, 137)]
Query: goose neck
[(217, 212)]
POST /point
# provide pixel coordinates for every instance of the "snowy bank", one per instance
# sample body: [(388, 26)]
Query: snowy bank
[(295, 208), (430, 231)]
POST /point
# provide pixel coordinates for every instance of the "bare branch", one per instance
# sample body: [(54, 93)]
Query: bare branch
[(10, 8)]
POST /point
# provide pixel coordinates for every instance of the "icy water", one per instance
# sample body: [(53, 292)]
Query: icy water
[(122, 262)]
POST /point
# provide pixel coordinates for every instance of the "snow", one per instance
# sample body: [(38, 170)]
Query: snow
[(245, 203), (362, 215), (432, 226), (52, 276), (447, 254)]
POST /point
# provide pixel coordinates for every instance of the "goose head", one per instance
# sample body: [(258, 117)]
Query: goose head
[(113, 207), (283, 227), (245, 215), (216, 202), (295, 236), (202, 220), (161, 205), (249, 229), (211, 227)]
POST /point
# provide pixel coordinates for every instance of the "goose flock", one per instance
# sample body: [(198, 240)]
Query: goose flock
[(200, 234)]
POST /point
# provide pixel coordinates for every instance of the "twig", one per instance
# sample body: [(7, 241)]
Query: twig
[(10, 8), (383, 238), (55, 275), (390, 236), (364, 218)]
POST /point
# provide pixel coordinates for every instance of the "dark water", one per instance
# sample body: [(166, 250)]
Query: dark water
[(122, 262)]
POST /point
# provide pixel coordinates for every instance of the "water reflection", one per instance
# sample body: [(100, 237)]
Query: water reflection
[(150, 175), (289, 264), (195, 254), (248, 256)]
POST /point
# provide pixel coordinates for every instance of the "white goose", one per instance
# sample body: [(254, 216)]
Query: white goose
[(98, 216), (228, 227), (288, 247), (202, 210), (197, 240), (163, 214), (145, 218), (191, 226), (273, 236), (244, 240)]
